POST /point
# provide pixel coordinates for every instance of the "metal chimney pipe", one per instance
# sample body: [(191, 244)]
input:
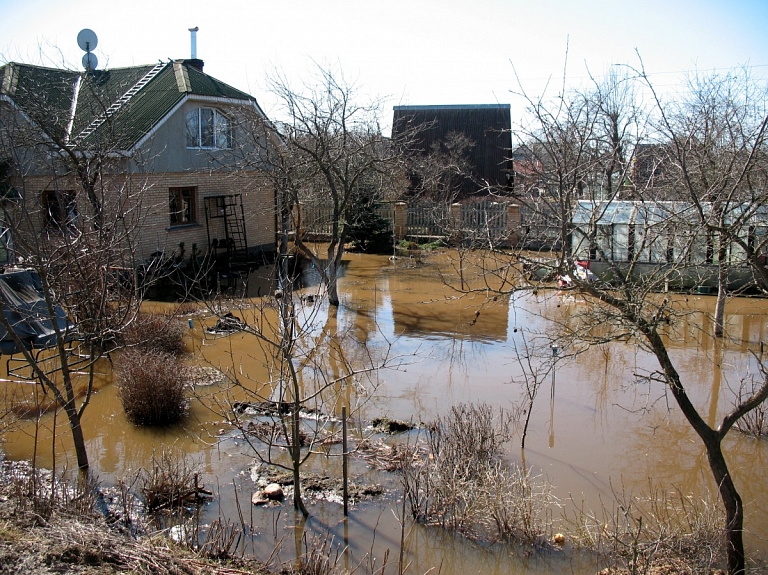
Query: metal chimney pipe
[(193, 34)]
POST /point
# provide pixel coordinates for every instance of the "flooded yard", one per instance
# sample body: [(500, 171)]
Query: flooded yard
[(599, 424)]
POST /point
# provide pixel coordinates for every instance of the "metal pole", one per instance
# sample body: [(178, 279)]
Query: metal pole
[(555, 350), (344, 457)]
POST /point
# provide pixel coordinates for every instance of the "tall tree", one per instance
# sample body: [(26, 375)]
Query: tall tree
[(332, 154), (716, 158), (72, 236), (585, 142)]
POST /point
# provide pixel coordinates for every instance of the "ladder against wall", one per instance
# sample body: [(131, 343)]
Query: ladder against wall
[(225, 222)]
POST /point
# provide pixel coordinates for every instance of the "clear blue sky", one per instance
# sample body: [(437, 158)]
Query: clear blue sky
[(410, 51)]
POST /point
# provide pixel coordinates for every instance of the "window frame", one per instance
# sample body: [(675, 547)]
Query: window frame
[(176, 194), (210, 133)]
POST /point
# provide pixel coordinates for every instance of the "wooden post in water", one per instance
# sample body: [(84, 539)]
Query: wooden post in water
[(344, 457)]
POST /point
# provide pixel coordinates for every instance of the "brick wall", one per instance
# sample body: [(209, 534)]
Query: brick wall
[(258, 207), (144, 201)]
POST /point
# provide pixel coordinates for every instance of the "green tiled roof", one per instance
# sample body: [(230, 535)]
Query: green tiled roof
[(205, 85), (49, 106), (46, 95)]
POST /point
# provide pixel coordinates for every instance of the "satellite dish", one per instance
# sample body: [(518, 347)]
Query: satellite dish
[(87, 40), (90, 61)]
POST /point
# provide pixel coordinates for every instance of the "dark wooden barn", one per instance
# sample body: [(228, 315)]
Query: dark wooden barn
[(486, 126)]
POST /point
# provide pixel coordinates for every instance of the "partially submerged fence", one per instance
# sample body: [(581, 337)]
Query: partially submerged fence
[(483, 222)]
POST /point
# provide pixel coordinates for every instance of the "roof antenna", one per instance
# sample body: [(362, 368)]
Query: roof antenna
[(87, 41), (193, 34)]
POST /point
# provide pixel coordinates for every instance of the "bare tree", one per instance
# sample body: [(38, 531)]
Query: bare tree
[(716, 158), (330, 162), (585, 143), (313, 368), (74, 242)]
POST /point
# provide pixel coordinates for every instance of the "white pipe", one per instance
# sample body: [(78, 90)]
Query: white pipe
[(193, 33)]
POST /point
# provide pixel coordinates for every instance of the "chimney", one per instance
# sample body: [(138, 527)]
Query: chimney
[(193, 34), (194, 61)]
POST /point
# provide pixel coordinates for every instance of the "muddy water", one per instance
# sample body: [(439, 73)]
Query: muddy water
[(602, 432)]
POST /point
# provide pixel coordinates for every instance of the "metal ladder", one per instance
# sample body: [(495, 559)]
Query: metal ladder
[(120, 102), (230, 209), (234, 221)]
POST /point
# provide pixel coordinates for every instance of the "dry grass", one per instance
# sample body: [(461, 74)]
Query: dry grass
[(48, 525), (320, 557), (652, 532), (464, 484)]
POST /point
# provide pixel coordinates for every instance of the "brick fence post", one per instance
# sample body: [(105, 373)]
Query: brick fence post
[(400, 225), (456, 223), (513, 224)]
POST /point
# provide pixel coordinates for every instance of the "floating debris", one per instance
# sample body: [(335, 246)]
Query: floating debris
[(386, 425), (279, 408), (315, 486), (389, 457), (227, 325)]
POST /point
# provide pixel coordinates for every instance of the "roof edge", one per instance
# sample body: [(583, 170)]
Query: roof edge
[(452, 107)]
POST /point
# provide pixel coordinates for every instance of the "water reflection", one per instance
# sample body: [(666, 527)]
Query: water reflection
[(603, 426)]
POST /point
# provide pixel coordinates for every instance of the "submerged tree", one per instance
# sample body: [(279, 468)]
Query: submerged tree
[(587, 147), (310, 368), (716, 158), (73, 238), (328, 162)]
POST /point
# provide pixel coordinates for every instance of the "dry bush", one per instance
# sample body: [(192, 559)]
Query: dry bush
[(151, 386), (221, 540), (754, 423), (652, 532), (517, 504), (172, 481), (155, 332), (464, 484), (320, 557)]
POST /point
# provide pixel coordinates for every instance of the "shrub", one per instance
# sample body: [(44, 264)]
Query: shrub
[(151, 386), (464, 484), (172, 481), (155, 332), (370, 233), (755, 422), (659, 531)]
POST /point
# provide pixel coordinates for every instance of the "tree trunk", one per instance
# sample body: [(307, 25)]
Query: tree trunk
[(77, 435), (734, 510), (298, 502), (333, 281), (719, 330)]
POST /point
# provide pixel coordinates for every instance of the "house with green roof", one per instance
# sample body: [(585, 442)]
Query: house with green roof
[(169, 144)]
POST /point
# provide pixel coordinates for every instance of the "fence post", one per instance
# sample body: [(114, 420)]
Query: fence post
[(456, 222), (399, 227), (513, 224), (344, 463)]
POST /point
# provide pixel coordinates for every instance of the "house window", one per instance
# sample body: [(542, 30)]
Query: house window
[(181, 206), (60, 209), (208, 128)]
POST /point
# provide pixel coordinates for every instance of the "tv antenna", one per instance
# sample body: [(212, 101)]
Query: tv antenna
[(88, 41)]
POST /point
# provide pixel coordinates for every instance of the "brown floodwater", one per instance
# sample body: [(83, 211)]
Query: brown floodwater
[(604, 430)]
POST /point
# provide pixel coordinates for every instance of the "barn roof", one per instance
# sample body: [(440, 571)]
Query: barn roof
[(488, 127)]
